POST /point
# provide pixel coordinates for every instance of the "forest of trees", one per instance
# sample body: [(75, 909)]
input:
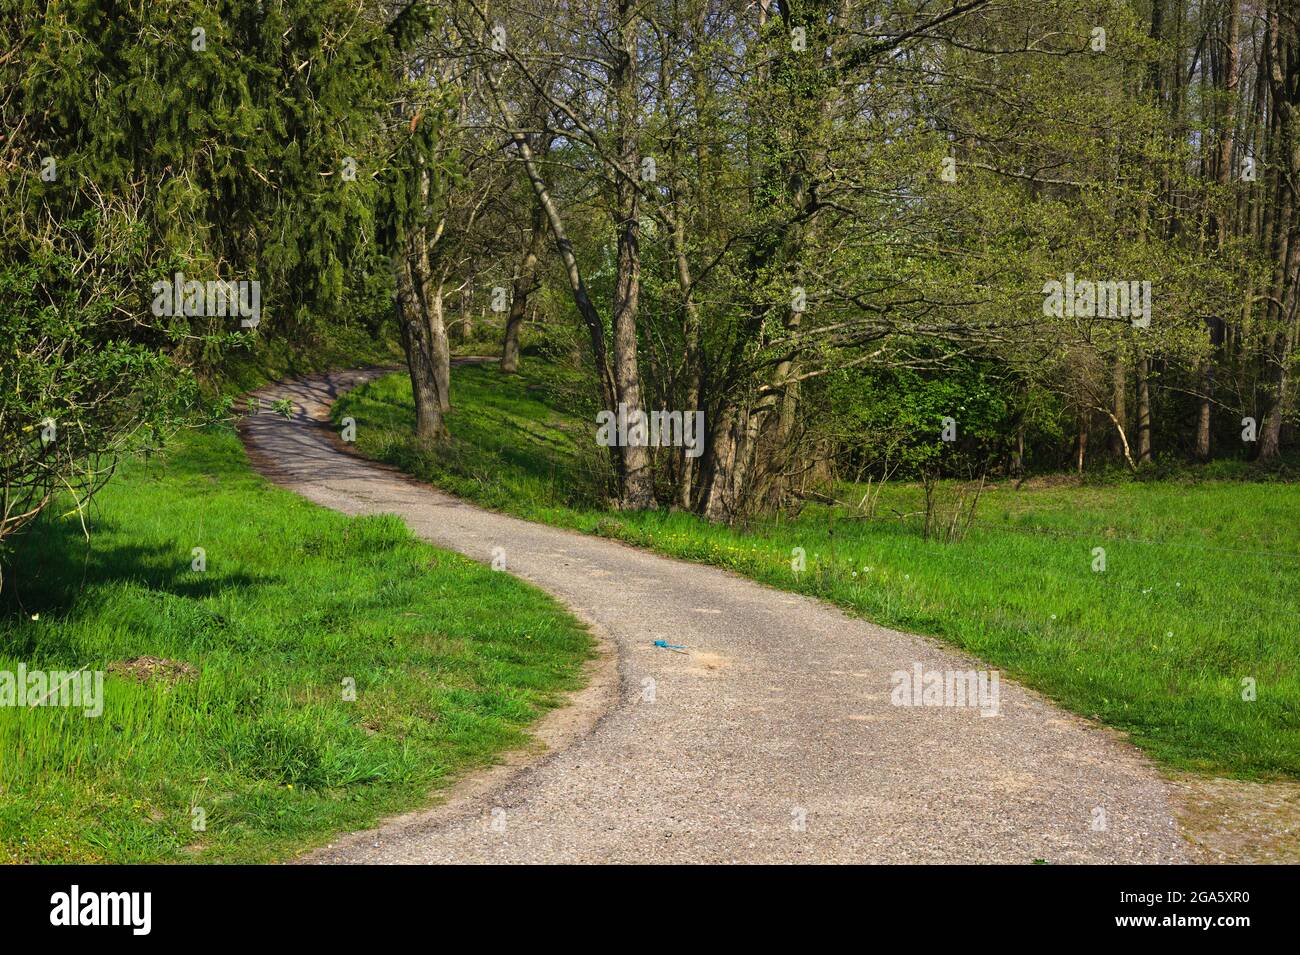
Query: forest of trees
[(827, 224)]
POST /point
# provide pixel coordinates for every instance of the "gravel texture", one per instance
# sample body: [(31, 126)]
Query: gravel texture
[(772, 740)]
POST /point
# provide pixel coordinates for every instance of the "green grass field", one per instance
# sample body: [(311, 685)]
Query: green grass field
[(1199, 591), (451, 663)]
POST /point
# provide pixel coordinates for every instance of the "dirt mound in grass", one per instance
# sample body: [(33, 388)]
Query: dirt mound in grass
[(145, 669)]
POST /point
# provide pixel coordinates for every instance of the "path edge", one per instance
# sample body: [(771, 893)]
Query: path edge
[(470, 792)]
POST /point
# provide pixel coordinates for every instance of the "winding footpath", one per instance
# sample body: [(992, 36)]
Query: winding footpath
[(772, 740)]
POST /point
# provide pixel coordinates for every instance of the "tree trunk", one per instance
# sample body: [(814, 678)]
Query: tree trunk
[(524, 284), (1221, 217), (423, 333), (1118, 405), (1270, 435), (729, 453), (414, 327), (439, 348), (1203, 411), (700, 87), (1144, 407), (429, 297), (638, 484), (691, 337), (1283, 41), (1081, 448)]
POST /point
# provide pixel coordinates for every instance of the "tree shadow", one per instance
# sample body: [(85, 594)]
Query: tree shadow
[(52, 567)]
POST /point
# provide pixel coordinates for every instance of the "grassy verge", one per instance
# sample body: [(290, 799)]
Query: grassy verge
[(1199, 591), (451, 663)]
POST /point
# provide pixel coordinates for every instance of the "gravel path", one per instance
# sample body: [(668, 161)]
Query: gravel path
[(773, 740)]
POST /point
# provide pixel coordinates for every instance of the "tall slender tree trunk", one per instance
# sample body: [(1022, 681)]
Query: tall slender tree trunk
[(620, 381), (1118, 405), (1221, 217), (1283, 43), (429, 292), (691, 395), (1279, 405), (691, 336), (524, 284), (1144, 407), (638, 484), (564, 245), (1081, 445), (420, 323)]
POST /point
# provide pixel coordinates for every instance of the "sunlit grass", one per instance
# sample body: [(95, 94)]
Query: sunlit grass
[(451, 662)]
